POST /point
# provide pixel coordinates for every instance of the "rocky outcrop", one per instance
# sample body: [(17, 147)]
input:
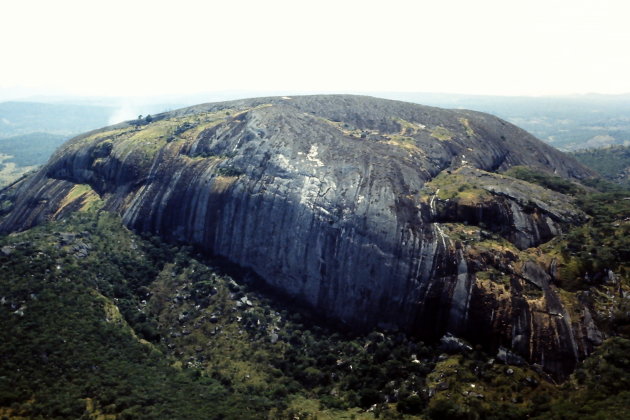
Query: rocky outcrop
[(329, 199), (525, 214)]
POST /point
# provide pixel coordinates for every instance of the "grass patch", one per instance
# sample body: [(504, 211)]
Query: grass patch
[(408, 128), (454, 186), (407, 143), (442, 133), (466, 123), (495, 276), (90, 200)]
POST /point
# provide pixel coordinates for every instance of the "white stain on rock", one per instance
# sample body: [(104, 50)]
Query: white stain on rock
[(312, 156)]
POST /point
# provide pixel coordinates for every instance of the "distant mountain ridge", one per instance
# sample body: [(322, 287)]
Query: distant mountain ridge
[(19, 118)]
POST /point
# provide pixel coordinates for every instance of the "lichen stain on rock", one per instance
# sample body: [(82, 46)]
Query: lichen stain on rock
[(323, 198)]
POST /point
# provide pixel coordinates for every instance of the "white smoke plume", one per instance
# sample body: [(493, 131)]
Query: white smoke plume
[(126, 111)]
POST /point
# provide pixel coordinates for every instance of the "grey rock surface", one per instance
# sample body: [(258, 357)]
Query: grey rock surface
[(322, 197)]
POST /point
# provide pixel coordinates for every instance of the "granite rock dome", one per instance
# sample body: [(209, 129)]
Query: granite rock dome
[(376, 213)]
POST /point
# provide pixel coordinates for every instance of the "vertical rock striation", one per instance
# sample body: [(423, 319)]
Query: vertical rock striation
[(336, 200)]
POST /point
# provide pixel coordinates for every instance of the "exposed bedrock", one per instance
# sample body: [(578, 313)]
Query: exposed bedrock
[(331, 199)]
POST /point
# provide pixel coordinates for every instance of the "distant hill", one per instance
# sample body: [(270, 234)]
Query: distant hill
[(23, 153), (31, 149), (31, 131), (18, 118), (612, 162)]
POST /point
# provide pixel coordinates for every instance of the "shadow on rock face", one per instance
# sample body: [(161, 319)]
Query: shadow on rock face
[(334, 200)]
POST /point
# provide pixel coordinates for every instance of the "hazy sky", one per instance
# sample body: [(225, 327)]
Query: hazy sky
[(534, 47)]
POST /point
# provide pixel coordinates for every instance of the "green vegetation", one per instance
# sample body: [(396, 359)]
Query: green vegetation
[(613, 162), (442, 133), (466, 123), (31, 132), (407, 143), (598, 389), (552, 182), (404, 138), (31, 149), (21, 154), (593, 259), (602, 244), (10, 172), (59, 346), (101, 322), (408, 128), (595, 256), (349, 130), (228, 171), (459, 187)]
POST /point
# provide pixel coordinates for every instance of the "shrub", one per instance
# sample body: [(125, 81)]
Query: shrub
[(413, 404)]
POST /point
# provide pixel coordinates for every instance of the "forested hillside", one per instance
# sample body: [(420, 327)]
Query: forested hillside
[(101, 323), (613, 162)]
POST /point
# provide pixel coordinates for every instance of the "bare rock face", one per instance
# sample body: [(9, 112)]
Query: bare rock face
[(340, 202)]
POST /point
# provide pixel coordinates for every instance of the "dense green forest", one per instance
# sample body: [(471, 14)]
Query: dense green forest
[(99, 323), (612, 163)]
